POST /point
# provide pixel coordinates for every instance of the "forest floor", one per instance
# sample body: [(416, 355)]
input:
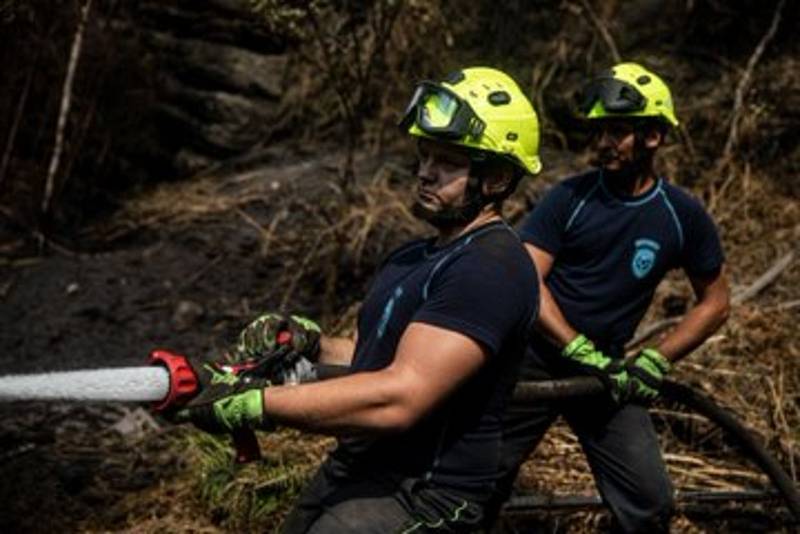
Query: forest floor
[(184, 266)]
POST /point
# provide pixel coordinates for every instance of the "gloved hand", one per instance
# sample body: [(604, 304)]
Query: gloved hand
[(646, 371), (259, 339), (612, 372), (226, 401)]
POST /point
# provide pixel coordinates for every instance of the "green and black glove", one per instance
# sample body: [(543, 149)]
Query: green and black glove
[(226, 402), (646, 371), (280, 348), (612, 372), (260, 338)]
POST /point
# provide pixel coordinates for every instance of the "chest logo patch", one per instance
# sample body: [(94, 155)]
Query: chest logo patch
[(387, 311), (644, 257)]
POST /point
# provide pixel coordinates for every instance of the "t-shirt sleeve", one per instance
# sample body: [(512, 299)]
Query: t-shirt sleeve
[(482, 299), (544, 227), (702, 250)]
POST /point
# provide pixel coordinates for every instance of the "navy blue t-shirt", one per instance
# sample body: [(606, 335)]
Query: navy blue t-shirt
[(470, 286), (611, 252)]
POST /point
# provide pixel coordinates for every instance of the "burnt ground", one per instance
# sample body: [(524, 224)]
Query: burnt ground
[(184, 267), (163, 279)]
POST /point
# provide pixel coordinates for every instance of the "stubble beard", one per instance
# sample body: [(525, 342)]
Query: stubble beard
[(450, 216)]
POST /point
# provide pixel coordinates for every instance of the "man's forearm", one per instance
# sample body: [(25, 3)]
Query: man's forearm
[(695, 327), (364, 402), (702, 320), (551, 321)]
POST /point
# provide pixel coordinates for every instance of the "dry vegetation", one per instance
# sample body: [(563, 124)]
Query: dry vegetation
[(736, 76)]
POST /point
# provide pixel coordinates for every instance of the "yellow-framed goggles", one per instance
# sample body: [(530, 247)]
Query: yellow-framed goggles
[(440, 112)]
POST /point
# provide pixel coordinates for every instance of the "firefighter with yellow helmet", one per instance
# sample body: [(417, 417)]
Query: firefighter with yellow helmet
[(602, 241), (439, 340)]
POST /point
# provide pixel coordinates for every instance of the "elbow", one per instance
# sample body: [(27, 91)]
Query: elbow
[(404, 410), (402, 402), (724, 312), (723, 309), (399, 413), (398, 419)]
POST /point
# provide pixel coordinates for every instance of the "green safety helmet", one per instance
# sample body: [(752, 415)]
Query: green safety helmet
[(627, 90), (478, 108)]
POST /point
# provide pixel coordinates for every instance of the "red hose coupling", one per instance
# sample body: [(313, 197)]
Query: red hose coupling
[(182, 378)]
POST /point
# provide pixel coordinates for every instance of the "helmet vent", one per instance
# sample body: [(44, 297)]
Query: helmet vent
[(499, 98), (512, 136), (455, 77), (644, 79)]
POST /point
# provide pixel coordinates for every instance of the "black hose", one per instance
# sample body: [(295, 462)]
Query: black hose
[(673, 391), (532, 502), (690, 398)]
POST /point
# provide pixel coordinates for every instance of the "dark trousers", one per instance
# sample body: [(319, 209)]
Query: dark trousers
[(621, 447), (343, 499)]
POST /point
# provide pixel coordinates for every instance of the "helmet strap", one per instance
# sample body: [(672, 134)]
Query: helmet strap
[(484, 167)]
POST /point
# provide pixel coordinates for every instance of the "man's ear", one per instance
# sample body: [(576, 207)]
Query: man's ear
[(498, 180), (653, 138)]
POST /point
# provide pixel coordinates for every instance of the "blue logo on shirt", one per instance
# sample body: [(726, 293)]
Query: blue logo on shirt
[(387, 311), (645, 257)]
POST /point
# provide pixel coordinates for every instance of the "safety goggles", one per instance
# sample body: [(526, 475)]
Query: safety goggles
[(439, 112), (617, 96)]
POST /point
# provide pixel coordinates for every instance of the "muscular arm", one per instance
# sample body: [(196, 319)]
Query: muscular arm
[(551, 321), (702, 320), (430, 363)]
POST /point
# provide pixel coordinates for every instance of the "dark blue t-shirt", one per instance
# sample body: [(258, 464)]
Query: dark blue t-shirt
[(471, 286), (611, 252)]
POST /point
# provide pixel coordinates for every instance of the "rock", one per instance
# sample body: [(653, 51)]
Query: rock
[(186, 314), (136, 424), (219, 75)]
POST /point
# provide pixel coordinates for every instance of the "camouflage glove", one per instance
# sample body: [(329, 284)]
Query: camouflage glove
[(226, 401), (260, 338), (646, 371), (612, 372)]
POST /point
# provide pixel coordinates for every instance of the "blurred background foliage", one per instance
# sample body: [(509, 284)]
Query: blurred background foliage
[(348, 71)]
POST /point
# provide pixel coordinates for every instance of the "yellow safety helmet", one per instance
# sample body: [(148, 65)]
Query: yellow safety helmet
[(479, 108), (627, 90)]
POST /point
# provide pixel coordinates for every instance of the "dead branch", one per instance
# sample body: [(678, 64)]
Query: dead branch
[(764, 280), (12, 134), (653, 329), (603, 29), (788, 305), (66, 102), (744, 82)]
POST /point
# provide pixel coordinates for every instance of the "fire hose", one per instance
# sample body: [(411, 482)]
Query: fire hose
[(170, 382), (672, 391), (692, 399)]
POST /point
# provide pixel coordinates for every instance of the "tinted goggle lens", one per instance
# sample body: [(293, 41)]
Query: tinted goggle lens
[(615, 95), (439, 112)]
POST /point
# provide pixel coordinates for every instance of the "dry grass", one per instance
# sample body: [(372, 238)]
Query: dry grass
[(329, 240), (752, 366)]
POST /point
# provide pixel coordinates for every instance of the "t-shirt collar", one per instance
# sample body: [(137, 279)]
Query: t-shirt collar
[(632, 200)]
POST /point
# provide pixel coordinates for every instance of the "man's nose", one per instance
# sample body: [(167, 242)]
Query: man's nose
[(604, 139), (425, 170)]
